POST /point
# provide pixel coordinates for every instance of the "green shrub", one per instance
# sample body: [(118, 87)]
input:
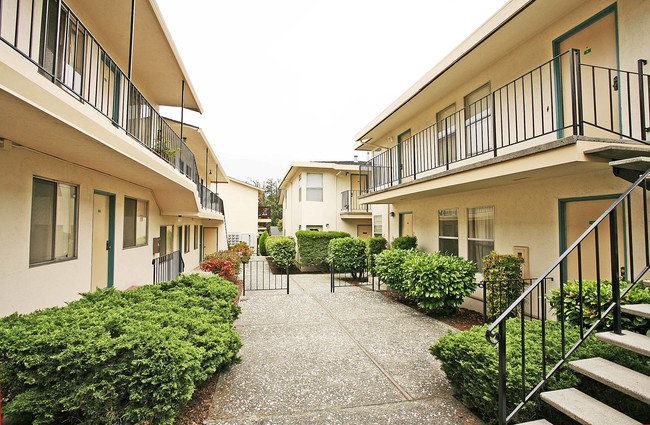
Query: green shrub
[(405, 242), (282, 249), (261, 244), (375, 245), (313, 245), (437, 281), (502, 274), (639, 294), (118, 357), (389, 268), (348, 255), (232, 256), (471, 365)]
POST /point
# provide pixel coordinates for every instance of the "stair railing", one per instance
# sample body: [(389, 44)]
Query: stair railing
[(633, 206)]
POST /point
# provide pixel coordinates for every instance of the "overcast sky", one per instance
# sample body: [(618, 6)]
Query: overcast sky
[(295, 80)]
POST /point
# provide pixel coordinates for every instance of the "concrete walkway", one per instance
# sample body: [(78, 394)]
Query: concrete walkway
[(352, 357)]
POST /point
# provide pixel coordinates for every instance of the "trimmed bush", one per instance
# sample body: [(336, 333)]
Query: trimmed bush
[(437, 281), (221, 267), (118, 357), (282, 249), (313, 246), (232, 256), (389, 268), (405, 242), (375, 245), (639, 294), (348, 255), (471, 365), (505, 282), (261, 244)]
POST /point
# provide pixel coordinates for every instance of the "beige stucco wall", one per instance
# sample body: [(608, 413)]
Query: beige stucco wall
[(24, 288), (240, 204)]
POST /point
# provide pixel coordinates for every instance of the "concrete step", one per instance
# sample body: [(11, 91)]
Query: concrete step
[(584, 409), (613, 375), (537, 422), (628, 340), (641, 310)]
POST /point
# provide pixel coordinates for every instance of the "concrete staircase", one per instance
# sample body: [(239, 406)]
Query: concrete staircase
[(587, 410)]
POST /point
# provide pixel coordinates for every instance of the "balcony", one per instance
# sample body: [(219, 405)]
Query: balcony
[(350, 202), (56, 41), (561, 97), (264, 214), (210, 200)]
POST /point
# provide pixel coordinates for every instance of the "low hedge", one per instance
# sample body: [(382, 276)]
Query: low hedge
[(405, 242), (348, 255), (375, 245), (118, 357), (639, 294), (313, 246), (261, 244), (282, 249), (471, 365), (389, 268)]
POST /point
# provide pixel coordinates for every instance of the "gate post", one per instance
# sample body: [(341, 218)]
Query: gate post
[(243, 285), (288, 268), (332, 276)]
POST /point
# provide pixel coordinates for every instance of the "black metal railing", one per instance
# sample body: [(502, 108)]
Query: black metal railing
[(210, 200), (618, 244), (351, 272), (265, 275), (350, 201), (52, 37), (499, 294), (167, 267), (559, 96)]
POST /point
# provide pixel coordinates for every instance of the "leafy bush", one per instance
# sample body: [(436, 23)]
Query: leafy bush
[(118, 357), (502, 275), (282, 249), (261, 244), (639, 294), (405, 242), (313, 245), (375, 245), (438, 281), (348, 255), (243, 250), (232, 256), (471, 365), (221, 267), (389, 268)]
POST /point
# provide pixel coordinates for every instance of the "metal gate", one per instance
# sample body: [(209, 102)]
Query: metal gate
[(351, 272), (260, 274)]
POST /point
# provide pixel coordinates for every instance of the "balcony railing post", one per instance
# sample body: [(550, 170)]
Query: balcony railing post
[(494, 123), (581, 121), (616, 283), (414, 158), (56, 41), (574, 103), (640, 64)]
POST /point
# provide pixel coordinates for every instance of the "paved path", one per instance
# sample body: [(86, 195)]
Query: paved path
[(352, 357)]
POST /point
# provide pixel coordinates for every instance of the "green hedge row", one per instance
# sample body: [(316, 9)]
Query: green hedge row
[(405, 242), (433, 280), (471, 365), (282, 249), (313, 245), (118, 357)]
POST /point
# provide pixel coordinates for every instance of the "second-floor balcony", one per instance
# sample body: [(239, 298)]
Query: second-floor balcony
[(264, 213), (559, 98), (49, 34), (350, 202)]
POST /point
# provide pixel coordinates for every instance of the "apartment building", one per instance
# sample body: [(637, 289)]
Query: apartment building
[(98, 189), (324, 196), (243, 211), (506, 143)]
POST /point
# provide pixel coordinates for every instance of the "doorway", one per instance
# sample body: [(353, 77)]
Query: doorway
[(210, 240), (364, 231), (103, 240), (406, 224)]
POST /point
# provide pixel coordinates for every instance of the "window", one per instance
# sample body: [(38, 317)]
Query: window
[(53, 230), (136, 222), (377, 229), (480, 234), (196, 237), (446, 134), (448, 231), (186, 235), (299, 187), (315, 187), (478, 134)]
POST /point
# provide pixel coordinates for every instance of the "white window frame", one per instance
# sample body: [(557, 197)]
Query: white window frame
[(377, 221), (447, 212), (311, 190), (479, 261)]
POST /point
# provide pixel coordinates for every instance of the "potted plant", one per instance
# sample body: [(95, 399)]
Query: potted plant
[(164, 150)]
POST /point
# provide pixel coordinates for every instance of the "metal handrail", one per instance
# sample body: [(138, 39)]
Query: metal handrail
[(167, 267), (350, 201), (499, 336)]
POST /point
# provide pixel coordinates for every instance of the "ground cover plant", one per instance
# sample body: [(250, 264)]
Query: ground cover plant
[(282, 249), (313, 246), (117, 357), (471, 365), (639, 294)]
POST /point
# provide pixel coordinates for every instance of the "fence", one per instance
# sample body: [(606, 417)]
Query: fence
[(351, 272), (265, 275), (499, 294), (167, 267)]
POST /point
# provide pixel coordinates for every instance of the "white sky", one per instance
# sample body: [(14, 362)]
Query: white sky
[(295, 80)]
